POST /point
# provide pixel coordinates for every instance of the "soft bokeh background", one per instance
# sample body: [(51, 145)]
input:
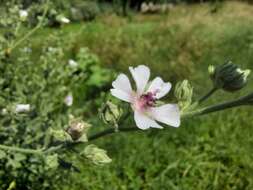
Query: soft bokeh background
[(211, 152)]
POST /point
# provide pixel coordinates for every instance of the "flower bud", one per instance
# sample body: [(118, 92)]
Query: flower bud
[(72, 63), (183, 93), (69, 100), (78, 130), (110, 113), (22, 108), (96, 155), (62, 19), (229, 77), (23, 14)]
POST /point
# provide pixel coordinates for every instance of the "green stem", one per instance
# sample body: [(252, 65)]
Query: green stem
[(21, 150), (243, 101), (31, 31), (206, 96), (110, 131)]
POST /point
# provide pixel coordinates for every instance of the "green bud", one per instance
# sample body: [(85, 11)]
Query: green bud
[(110, 113), (51, 161), (229, 77), (78, 130), (96, 155), (211, 70), (183, 93), (59, 135)]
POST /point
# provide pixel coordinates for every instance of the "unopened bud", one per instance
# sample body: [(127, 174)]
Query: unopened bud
[(183, 93), (4, 111), (229, 77), (62, 19), (110, 113), (23, 14), (22, 108), (211, 70), (69, 100), (72, 63), (97, 155), (78, 130)]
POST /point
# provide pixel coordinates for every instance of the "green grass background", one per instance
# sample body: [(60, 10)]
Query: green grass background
[(207, 153)]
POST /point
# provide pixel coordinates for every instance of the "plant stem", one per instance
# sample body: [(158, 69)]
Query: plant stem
[(110, 131), (205, 97), (243, 101), (21, 150), (32, 31)]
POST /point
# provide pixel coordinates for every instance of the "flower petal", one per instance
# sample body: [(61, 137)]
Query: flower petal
[(168, 114), (122, 83), (144, 122), (141, 76), (122, 95), (159, 87)]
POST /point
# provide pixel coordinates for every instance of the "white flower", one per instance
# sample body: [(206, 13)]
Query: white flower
[(64, 20), (20, 108), (4, 111), (143, 99), (68, 100), (72, 63), (23, 14)]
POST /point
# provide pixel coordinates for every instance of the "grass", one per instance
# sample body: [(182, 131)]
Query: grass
[(213, 152)]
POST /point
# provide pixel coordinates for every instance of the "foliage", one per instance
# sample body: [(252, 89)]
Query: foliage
[(207, 153), (43, 83)]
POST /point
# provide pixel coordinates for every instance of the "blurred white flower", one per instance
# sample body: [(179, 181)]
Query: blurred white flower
[(21, 108), (23, 14), (143, 100), (72, 63), (4, 111), (68, 100), (64, 20)]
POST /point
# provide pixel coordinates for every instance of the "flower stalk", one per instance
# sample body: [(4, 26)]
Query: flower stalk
[(243, 101), (206, 96)]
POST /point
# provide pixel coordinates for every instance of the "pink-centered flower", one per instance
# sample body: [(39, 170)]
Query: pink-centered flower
[(143, 100)]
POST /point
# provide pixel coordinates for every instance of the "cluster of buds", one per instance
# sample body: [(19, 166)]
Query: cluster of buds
[(110, 113), (228, 77), (183, 92), (97, 155), (78, 130)]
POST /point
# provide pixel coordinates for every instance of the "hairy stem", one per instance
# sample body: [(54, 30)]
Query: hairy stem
[(243, 101), (21, 150), (31, 31), (110, 131), (206, 96)]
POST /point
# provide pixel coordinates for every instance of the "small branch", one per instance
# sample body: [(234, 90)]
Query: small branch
[(243, 101), (110, 131), (32, 31), (210, 93), (21, 150)]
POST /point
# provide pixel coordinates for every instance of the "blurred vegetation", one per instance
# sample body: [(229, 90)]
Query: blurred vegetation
[(212, 152)]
